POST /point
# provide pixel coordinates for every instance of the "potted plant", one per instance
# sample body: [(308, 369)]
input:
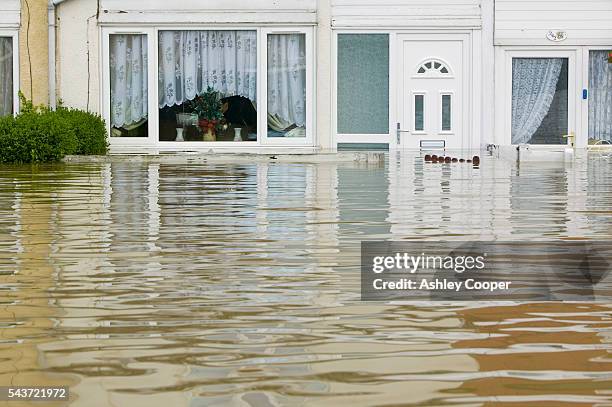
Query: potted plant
[(208, 107)]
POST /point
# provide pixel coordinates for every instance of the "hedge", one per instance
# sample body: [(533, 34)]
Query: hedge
[(39, 134)]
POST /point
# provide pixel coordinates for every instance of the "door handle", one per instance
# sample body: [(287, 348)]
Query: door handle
[(399, 132)]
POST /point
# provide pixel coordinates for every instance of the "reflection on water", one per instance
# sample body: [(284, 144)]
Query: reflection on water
[(172, 285)]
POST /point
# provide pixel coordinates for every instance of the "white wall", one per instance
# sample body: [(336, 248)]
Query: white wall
[(523, 22), (209, 11), (9, 13), (78, 78), (406, 13)]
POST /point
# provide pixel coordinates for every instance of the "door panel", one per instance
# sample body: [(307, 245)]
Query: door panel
[(432, 86)]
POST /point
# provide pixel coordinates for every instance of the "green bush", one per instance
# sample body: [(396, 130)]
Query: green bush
[(89, 129), (39, 134), (37, 137)]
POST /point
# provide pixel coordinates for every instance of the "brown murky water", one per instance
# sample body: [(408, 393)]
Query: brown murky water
[(212, 285)]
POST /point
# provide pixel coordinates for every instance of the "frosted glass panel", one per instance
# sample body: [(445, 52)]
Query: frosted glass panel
[(363, 84), (446, 112), (419, 112)]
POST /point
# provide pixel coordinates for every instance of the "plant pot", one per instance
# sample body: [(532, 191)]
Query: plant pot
[(209, 129)]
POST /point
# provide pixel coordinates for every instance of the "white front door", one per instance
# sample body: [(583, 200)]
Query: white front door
[(433, 99)]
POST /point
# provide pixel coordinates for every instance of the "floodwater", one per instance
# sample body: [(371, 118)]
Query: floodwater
[(238, 284)]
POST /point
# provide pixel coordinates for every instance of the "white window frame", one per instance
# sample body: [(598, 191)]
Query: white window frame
[(452, 112), (152, 141), (152, 88), (262, 93), (504, 92), (414, 94), (584, 106), (14, 34), (381, 138)]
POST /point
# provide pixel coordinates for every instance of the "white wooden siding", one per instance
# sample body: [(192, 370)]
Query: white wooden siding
[(406, 13), (209, 11), (526, 22), (9, 13)]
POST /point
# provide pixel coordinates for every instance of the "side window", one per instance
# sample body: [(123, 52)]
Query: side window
[(446, 112), (6, 76), (419, 112), (363, 84)]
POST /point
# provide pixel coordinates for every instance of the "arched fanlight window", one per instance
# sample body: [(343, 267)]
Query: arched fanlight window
[(433, 67)]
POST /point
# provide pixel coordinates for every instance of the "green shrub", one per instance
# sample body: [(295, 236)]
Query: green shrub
[(36, 138), (89, 129), (39, 134)]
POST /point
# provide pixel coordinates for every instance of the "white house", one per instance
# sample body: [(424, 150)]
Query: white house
[(323, 74)]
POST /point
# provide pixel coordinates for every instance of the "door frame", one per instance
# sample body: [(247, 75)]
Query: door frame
[(584, 106), (470, 131)]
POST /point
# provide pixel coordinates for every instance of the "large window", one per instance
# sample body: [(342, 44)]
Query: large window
[(129, 88), (600, 98), (208, 85), (251, 86), (6, 76), (539, 100), (363, 83)]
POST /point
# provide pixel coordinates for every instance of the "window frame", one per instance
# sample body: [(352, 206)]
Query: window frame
[(14, 34), (586, 51), (106, 87), (340, 138), (504, 97), (262, 88), (152, 141), (370, 137)]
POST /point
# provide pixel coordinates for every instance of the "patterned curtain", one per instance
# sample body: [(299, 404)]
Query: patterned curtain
[(287, 78), (600, 98), (534, 82), (191, 61), (129, 79), (6, 76)]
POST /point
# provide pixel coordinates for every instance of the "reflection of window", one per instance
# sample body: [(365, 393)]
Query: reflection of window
[(433, 68), (129, 85), (539, 100), (363, 83), (208, 85), (287, 85), (6, 76), (446, 112), (600, 98), (419, 112)]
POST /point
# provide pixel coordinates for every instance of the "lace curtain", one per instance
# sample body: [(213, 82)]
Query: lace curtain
[(600, 98), (128, 78), (287, 78), (6, 76), (534, 81), (191, 61)]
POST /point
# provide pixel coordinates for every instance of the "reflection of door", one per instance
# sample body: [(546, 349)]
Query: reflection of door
[(432, 100)]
